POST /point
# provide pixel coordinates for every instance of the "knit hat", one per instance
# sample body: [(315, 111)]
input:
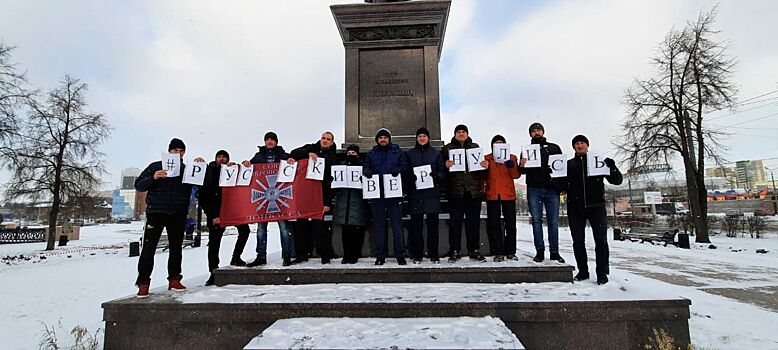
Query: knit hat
[(353, 147), (536, 125), (271, 135), (498, 138), (222, 152), (578, 138), (422, 131), (383, 132), (461, 127), (176, 143)]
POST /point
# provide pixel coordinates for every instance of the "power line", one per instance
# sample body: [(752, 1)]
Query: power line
[(747, 110), (751, 120)]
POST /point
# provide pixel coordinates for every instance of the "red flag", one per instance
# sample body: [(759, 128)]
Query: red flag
[(265, 200)]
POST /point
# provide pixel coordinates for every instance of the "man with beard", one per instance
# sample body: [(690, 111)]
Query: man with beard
[(351, 213), (543, 191), (464, 199), (306, 230), (271, 152), (424, 201), (586, 201), (210, 197), (386, 158)]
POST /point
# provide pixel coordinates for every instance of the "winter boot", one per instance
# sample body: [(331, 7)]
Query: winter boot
[(401, 261), (143, 289), (299, 260), (416, 261), (453, 257), (602, 279), (581, 275), (499, 258), (209, 282), (287, 261), (379, 261), (435, 260), (512, 257), (237, 261), (539, 256), (260, 260), (475, 256), (556, 257), (325, 261), (174, 284)]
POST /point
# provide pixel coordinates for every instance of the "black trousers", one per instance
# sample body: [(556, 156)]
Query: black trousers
[(353, 237), (155, 223), (598, 219), (310, 233), (501, 226), (467, 211), (416, 235), (215, 234)]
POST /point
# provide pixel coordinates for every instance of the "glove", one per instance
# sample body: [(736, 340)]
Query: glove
[(396, 172), (367, 173), (413, 177), (610, 163), (510, 163)]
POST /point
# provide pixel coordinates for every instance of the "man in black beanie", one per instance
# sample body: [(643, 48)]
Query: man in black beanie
[(586, 201), (210, 197), (464, 199), (167, 205), (425, 201), (386, 158), (543, 191), (271, 152)]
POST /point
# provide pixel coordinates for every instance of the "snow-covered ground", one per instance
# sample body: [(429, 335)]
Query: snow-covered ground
[(387, 333), (734, 290)]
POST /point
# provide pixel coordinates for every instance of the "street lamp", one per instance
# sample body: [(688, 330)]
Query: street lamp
[(775, 203)]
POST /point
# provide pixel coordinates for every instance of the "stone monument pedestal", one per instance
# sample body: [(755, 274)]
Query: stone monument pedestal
[(392, 54)]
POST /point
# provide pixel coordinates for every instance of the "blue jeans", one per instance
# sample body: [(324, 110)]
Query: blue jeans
[(287, 246), (537, 198)]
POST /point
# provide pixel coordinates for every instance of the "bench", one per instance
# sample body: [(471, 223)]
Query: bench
[(651, 234), (23, 235)]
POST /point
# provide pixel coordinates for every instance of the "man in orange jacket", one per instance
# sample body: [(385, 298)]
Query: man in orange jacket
[(501, 199)]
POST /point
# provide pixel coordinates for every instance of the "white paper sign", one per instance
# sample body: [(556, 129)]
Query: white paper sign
[(474, 158), (195, 173), (315, 169), (558, 165), (228, 175), (286, 172), (501, 152), (595, 165), (423, 177), (354, 177), (652, 197), (458, 157), (370, 189), (393, 186), (172, 164), (532, 154), (339, 179), (244, 175)]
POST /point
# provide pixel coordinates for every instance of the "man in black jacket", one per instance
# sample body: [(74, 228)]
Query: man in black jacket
[(425, 201), (306, 230), (271, 152), (586, 201), (210, 196), (464, 199), (167, 204), (543, 191)]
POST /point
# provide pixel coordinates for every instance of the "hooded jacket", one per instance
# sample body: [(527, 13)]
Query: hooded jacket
[(349, 207), (167, 195), (459, 183), (585, 191)]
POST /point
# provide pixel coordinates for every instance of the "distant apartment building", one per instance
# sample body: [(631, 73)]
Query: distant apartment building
[(125, 198)]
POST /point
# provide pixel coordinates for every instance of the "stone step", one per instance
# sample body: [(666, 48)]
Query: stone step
[(364, 271)]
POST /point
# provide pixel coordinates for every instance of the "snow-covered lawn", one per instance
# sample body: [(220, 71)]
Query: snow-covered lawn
[(732, 288)]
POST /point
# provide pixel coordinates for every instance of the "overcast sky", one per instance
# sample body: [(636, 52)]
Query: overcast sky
[(219, 74)]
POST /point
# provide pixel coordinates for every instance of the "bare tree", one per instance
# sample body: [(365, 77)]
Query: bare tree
[(56, 157), (693, 77), (12, 97)]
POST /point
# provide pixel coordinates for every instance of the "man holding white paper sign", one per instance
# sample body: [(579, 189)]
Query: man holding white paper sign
[(586, 201), (210, 197), (386, 158), (272, 152), (424, 196), (543, 191), (464, 199)]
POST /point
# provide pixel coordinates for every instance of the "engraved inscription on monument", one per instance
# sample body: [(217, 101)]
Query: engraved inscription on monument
[(391, 91)]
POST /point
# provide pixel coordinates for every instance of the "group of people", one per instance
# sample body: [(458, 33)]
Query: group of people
[(168, 202)]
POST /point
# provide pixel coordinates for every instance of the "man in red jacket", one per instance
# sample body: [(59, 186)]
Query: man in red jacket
[(501, 199)]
